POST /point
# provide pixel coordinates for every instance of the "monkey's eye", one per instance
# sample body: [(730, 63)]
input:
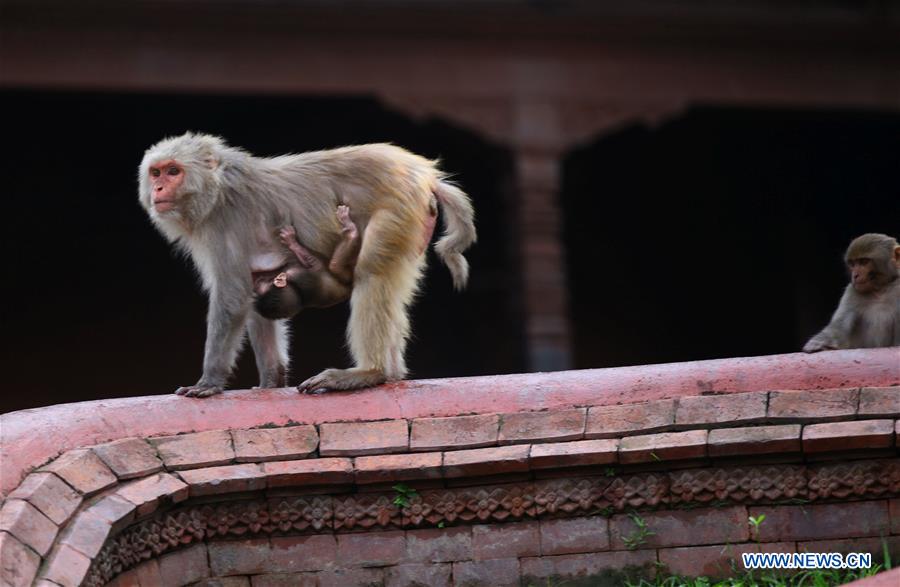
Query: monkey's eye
[(173, 170), (154, 172)]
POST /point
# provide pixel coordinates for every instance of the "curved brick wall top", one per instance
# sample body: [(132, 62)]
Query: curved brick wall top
[(535, 477), (30, 438)]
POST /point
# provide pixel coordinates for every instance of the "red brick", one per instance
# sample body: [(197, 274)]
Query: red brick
[(418, 575), (117, 511), (439, 545), (666, 446), (50, 494), (613, 421), (227, 479), (83, 470), (303, 553), (486, 461), (28, 525), (87, 533), (223, 582), (574, 535), (308, 472), (879, 402), (895, 516), (20, 563), (824, 521), (191, 451), (126, 579), (574, 454), (506, 540), (554, 426), (148, 574), (683, 528), (454, 433), (351, 578), (275, 444), (754, 440), (874, 546), (731, 408), (883, 579), (839, 436), (387, 468), (820, 405), (363, 438), (371, 549), (147, 493), (129, 458), (501, 572), (614, 567), (184, 566), (716, 561), (240, 557), (285, 580), (67, 566)]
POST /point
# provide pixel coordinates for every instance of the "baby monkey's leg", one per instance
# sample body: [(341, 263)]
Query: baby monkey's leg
[(343, 262)]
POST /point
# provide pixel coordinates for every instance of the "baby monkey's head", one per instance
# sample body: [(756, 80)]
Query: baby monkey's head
[(280, 297)]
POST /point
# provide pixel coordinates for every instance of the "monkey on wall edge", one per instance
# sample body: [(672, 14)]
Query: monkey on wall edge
[(218, 204), (868, 314)]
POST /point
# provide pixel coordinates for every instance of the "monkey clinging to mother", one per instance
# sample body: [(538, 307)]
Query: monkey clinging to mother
[(222, 206)]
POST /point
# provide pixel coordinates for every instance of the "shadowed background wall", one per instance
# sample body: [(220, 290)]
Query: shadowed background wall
[(650, 184)]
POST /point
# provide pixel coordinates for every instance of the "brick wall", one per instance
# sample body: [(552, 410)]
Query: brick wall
[(596, 490)]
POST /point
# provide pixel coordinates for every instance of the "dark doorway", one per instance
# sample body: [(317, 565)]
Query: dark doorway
[(720, 234), (95, 304)]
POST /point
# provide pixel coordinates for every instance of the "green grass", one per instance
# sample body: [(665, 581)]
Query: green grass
[(812, 578)]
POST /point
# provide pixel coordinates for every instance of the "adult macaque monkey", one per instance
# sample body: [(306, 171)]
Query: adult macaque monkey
[(221, 205), (869, 312)]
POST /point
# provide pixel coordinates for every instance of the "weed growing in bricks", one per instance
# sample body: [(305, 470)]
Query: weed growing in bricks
[(816, 578), (755, 523), (404, 494), (639, 536)]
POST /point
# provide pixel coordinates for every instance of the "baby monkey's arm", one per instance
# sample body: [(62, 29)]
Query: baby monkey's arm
[(307, 260)]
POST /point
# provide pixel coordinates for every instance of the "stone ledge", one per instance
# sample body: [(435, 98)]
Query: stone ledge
[(65, 427), (97, 521), (75, 506)]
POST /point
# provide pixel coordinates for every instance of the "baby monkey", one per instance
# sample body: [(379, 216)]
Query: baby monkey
[(307, 282)]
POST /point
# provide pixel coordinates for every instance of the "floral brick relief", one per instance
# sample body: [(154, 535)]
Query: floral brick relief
[(548, 498)]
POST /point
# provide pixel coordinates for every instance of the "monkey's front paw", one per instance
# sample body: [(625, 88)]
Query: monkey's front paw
[(817, 344), (198, 390)]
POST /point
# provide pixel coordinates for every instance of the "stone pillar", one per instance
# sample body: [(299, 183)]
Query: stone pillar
[(538, 158)]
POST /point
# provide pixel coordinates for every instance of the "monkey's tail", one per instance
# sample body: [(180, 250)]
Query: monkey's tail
[(459, 230)]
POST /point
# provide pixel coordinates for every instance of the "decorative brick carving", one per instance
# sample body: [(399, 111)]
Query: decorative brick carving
[(545, 499), (739, 485), (855, 478)]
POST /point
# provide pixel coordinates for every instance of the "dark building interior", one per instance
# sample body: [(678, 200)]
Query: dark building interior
[(716, 234), (96, 305), (721, 233)]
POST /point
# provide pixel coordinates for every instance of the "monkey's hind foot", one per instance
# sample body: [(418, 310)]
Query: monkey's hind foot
[(199, 390), (342, 380)]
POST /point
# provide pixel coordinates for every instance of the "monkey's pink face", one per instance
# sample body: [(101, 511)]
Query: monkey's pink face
[(165, 178), (862, 274)]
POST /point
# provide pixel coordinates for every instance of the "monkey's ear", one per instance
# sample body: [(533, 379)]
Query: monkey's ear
[(897, 254), (211, 162)]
